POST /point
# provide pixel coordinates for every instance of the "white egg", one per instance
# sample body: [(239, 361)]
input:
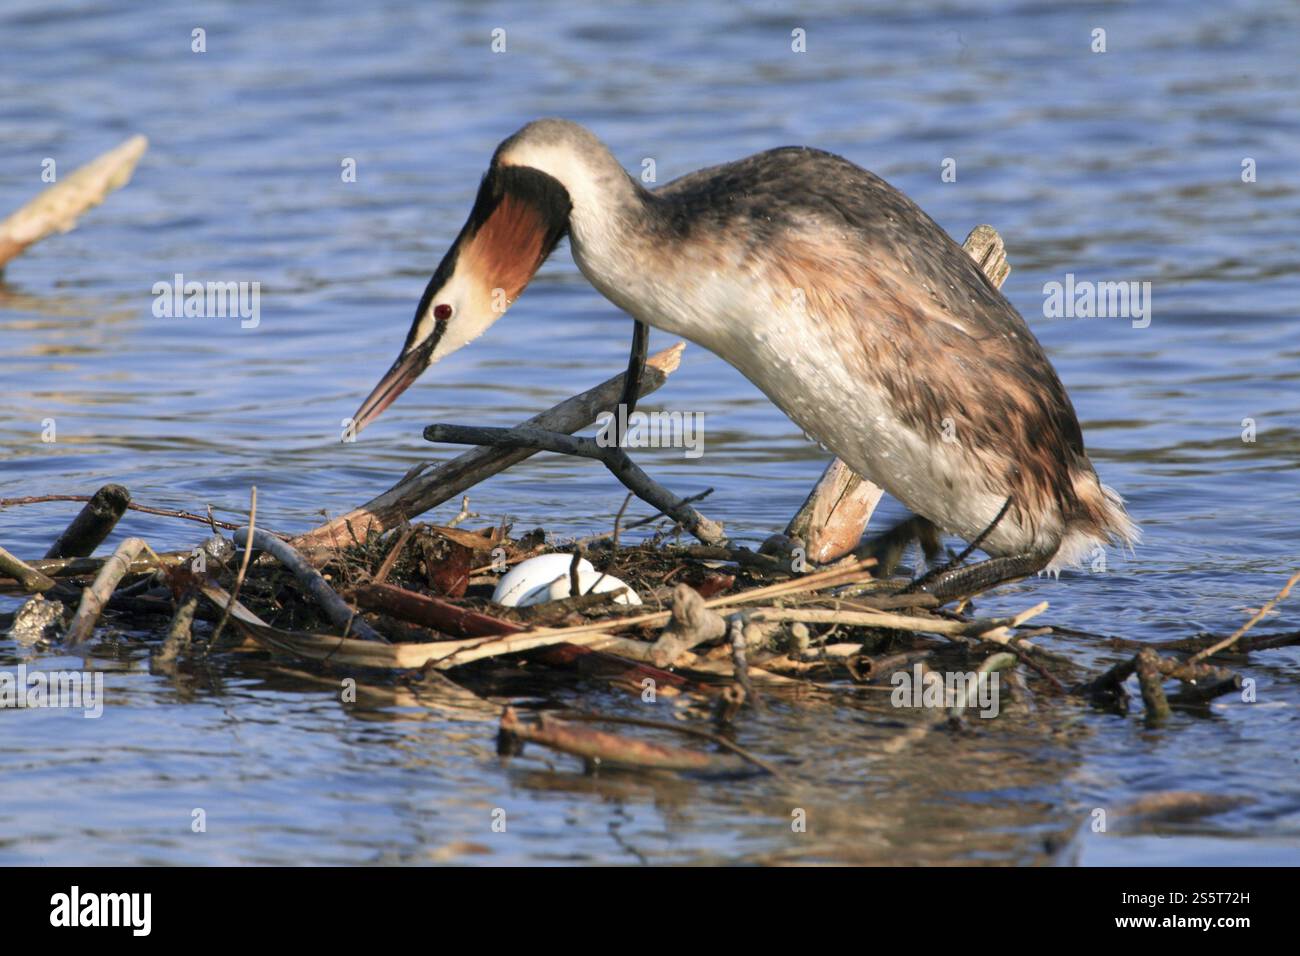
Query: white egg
[(590, 582), (528, 582)]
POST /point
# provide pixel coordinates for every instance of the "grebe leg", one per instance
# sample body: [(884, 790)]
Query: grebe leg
[(950, 583), (635, 369), (952, 580), (887, 548)]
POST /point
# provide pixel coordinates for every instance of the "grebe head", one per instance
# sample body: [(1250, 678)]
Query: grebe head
[(521, 213)]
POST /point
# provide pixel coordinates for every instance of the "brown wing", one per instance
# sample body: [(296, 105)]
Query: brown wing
[(933, 332)]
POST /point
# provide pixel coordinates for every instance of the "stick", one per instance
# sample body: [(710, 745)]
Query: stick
[(612, 457), (994, 662), (603, 747), (1259, 616), (243, 570), (834, 516), (79, 567), (737, 624), (31, 580), (132, 506), (58, 207), (1152, 683), (680, 729), (96, 596), (179, 630), (618, 520), (394, 553), (986, 629), (692, 623), (432, 612), (429, 486), (316, 587), (92, 524)]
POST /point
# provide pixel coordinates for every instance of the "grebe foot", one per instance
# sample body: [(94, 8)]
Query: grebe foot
[(949, 584)]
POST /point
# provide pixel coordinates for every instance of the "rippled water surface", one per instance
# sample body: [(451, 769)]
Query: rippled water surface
[(1122, 166)]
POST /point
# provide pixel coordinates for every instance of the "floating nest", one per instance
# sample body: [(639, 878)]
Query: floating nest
[(718, 629)]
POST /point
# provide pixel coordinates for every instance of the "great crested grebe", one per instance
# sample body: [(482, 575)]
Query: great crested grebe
[(830, 290)]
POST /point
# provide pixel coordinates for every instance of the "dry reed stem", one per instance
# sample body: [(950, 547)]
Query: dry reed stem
[(57, 208), (95, 597), (1255, 619)]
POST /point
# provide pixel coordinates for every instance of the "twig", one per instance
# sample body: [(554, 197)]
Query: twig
[(1258, 616), (31, 579), (736, 625), (618, 520), (1151, 681), (689, 499), (597, 746), (612, 457), (60, 568), (986, 629), (708, 735), (426, 487), (464, 514), (95, 597), (391, 558), (132, 506), (335, 608), (994, 662), (239, 578), (635, 370), (179, 630)]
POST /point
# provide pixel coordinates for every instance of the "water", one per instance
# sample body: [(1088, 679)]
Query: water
[(1123, 166)]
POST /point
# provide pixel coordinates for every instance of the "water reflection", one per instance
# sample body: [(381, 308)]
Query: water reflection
[(1124, 166)]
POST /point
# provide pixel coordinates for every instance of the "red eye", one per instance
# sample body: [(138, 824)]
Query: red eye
[(442, 312)]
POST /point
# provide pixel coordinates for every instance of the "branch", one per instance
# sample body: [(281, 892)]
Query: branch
[(27, 576), (600, 746), (95, 597), (612, 457), (423, 489), (92, 524), (334, 606), (58, 207)]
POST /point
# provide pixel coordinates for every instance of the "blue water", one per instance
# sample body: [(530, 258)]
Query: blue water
[(1116, 166)]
